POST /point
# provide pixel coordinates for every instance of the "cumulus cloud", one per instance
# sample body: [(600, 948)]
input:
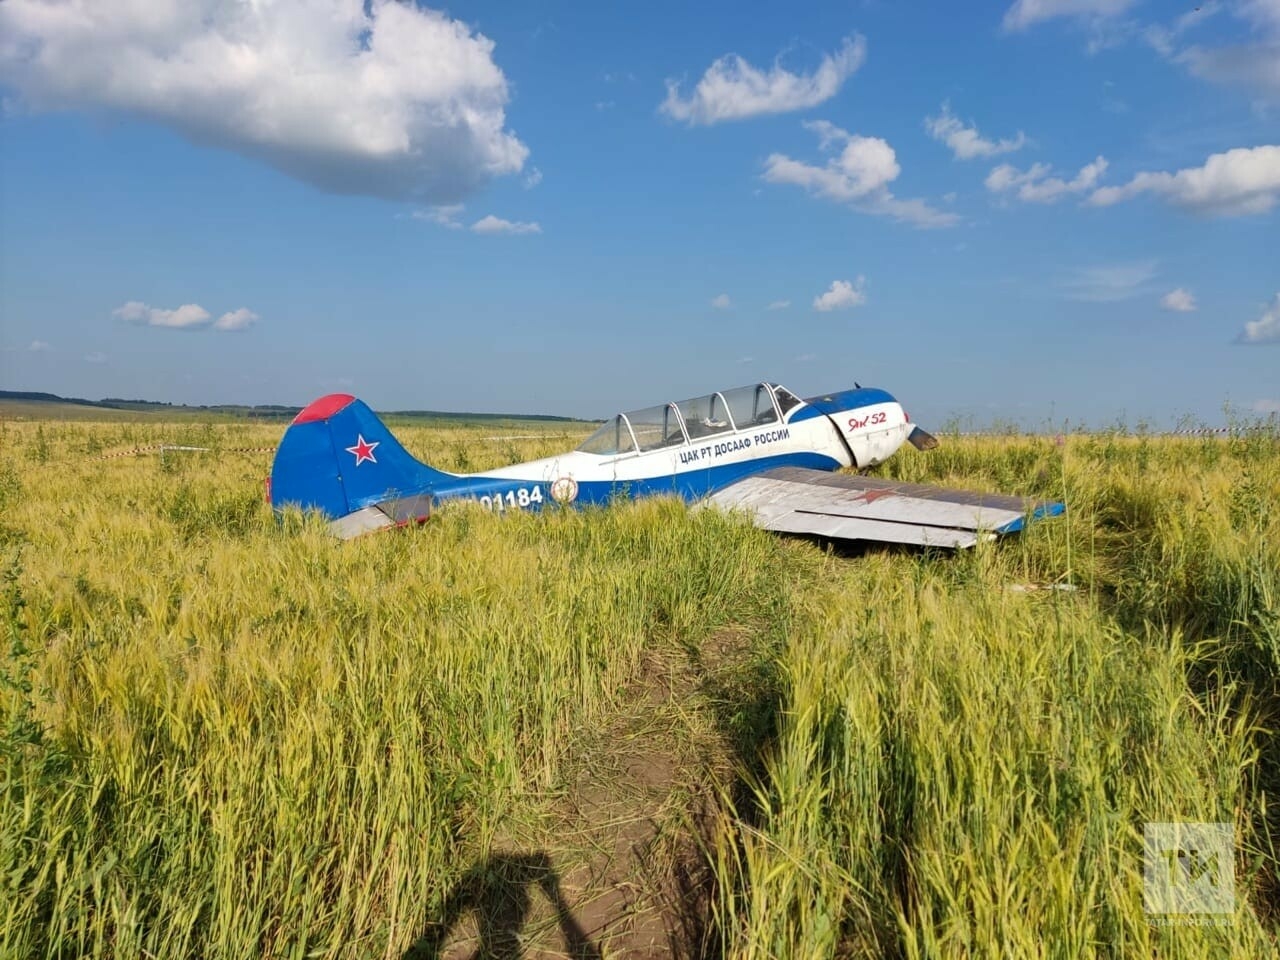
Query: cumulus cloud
[(492, 224), (1035, 185), (841, 295), (241, 319), (1024, 13), (721, 302), (732, 89), (444, 214), (966, 143), (353, 96), (1253, 64), (1108, 283), (1242, 181), (1179, 300), (39, 346), (859, 175), (1266, 329), (189, 316)]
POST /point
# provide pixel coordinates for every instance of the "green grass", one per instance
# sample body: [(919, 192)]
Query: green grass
[(965, 769), (228, 737)]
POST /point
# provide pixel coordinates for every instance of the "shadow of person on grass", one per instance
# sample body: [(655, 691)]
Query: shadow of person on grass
[(500, 891)]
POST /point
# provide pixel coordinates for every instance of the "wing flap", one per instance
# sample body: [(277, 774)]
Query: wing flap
[(851, 507)]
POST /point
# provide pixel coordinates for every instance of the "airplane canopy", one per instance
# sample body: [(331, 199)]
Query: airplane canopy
[(672, 424)]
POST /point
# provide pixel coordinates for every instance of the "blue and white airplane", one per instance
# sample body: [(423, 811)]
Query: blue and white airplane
[(757, 448)]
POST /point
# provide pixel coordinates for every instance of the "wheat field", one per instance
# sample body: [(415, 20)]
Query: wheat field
[(228, 736)]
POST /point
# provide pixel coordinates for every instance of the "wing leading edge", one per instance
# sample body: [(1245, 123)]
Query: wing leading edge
[(849, 507)]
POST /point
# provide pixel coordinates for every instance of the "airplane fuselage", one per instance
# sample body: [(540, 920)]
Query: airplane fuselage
[(338, 458), (861, 427)]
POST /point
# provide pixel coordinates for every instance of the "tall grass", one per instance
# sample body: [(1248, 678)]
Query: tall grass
[(965, 769), (232, 738), (226, 736)]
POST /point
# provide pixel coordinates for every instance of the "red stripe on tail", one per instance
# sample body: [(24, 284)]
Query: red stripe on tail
[(324, 408)]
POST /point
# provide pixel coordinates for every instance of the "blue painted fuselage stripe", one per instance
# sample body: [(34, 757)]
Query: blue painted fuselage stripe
[(691, 485)]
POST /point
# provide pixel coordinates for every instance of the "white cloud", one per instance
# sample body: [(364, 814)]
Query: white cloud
[(532, 178), (1179, 300), (1034, 185), (189, 316), (779, 305), (39, 346), (1239, 182), (1024, 13), (492, 224), (241, 319), (1254, 64), (841, 295), (381, 98), (95, 357), (721, 302), (1262, 12), (1266, 329), (732, 89), (1108, 283), (859, 176), (966, 142), (444, 214)]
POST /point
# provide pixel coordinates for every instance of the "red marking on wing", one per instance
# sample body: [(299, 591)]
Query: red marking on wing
[(871, 496), (324, 408)]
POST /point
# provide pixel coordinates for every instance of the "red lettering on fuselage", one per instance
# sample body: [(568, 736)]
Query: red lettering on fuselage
[(872, 419)]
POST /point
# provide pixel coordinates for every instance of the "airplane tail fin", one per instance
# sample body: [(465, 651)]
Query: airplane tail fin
[(338, 457)]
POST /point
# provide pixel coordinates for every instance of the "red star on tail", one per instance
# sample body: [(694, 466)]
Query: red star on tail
[(363, 450)]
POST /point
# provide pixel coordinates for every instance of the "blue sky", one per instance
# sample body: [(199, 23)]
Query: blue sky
[(1064, 209)]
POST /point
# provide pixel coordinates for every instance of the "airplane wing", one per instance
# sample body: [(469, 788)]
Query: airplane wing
[(845, 506)]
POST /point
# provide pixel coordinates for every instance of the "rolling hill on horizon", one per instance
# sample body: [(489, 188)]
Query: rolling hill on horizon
[(268, 411)]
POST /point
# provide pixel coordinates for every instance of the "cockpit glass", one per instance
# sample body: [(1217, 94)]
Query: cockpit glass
[(786, 399), (705, 416), (612, 438), (656, 427), (671, 424), (750, 406)]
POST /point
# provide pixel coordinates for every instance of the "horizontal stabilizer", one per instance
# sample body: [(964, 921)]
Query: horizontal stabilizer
[(849, 507)]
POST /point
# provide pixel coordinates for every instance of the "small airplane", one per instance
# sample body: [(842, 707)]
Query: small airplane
[(758, 448)]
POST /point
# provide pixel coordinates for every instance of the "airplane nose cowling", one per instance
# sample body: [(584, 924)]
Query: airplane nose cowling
[(871, 422)]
